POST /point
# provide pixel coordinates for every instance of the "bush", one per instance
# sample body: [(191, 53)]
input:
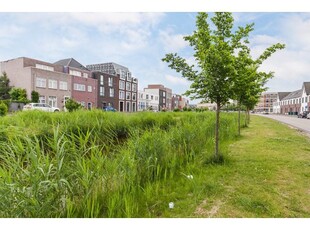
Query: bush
[(72, 105), (3, 109)]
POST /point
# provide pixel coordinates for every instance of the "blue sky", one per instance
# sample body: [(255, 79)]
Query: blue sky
[(139, 41)]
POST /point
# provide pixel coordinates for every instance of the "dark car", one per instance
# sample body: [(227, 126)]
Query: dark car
[(109, 108), (302, 115)]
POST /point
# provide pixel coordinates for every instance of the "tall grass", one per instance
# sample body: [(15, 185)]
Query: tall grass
[(97, 164)]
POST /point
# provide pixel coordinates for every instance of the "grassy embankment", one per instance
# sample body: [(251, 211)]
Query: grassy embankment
[(112, 165)]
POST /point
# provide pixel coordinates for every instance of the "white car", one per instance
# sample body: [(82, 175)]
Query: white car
[(40, 106), (308, 116)]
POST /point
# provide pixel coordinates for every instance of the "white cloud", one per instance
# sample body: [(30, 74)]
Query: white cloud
[(172, 42), (177, 80)]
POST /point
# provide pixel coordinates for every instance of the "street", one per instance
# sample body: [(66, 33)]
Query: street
[(299, 123)]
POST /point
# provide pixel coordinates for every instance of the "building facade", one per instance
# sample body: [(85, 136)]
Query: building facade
[(53, 85), (164, 96), (179, 102), (122, 85), (148, 101), (265, 104)]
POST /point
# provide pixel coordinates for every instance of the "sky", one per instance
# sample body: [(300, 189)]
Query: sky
[(139, 40)]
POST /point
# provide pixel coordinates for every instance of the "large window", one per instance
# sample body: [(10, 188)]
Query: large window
[(128, 106), (52, 84), (52, 101), (121, 95), (89, 88), (134, 87), (133, 107), (101, 79), (85, 75), (121, 85), (42, 99), (41, 82), (111, 92), (63, 85), (75, 73), (101, 91), (128, 95), (110, 81), (44, 67), (79, 87), (134, 95), (128, 86), (123, 75)]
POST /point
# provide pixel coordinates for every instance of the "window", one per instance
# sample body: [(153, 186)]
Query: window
[(41, 82), (111, 92), (75, 73), (128, 86), (152, 97), (128, 95), (110, 81), (101, 92), (79, 87), (85, 75), (121, 85), (89, 88), (134, 87), (63, 85), (42, 99), (147, 96), (128, 106), (44, 67), (52, 101), (101, 79), (164, 94), (128, 76), (134, 95), (52, 84), (121, 95), (123, 75)]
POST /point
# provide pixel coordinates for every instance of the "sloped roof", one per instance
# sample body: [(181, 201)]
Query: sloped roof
[(307, 87), (292, 95), (283, 95), (71, 62)]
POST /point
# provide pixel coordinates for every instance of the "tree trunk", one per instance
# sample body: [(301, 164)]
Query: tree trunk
[(239, 111), (248, 116), (217, 126)]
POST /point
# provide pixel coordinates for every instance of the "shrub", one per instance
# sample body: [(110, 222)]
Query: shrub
[(72, 105), (3, 109)]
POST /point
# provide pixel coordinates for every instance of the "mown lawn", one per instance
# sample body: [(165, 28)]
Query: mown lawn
[(267, 174)]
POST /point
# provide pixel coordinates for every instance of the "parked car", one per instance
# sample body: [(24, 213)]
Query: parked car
[(308, 116), (109, 108), (302, 115), (40, 106)]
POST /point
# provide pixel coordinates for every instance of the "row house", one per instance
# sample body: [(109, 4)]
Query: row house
[(55, 82), (116, 81), (164, 96), (84, 87), (148, 101), (179, 102), (296, 102), (276, 104)]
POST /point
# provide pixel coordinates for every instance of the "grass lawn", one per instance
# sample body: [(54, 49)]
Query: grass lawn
[(267, 174)]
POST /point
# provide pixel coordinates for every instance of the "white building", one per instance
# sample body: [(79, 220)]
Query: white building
[(148, 100)]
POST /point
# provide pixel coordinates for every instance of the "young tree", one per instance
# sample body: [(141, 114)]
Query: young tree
[(71, 105), (4, 87), (214, 53), (18, 94), (215, 49), (34, 96)]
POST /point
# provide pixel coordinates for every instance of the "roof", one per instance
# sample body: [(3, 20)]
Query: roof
[(71, 62), (307, 87), (293, 95), (283, 95)]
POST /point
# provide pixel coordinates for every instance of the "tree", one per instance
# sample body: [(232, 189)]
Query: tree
[(216, 72), (4, 87), (18, 94), (214, 53), (249, 83), (34, 96), (72, 105)]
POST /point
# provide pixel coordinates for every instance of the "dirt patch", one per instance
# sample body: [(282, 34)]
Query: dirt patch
[(201, 211)]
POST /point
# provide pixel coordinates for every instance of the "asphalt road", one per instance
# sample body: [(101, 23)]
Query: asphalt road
[(299, 123)]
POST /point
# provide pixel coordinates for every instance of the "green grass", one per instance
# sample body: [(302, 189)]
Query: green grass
[(96, 164), (267, 175)]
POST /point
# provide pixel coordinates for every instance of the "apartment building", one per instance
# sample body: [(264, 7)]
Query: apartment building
[(84, 87), (179, 102), (265, 103), (148, 101), (49, 80), (120, 83), (164, 96)]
